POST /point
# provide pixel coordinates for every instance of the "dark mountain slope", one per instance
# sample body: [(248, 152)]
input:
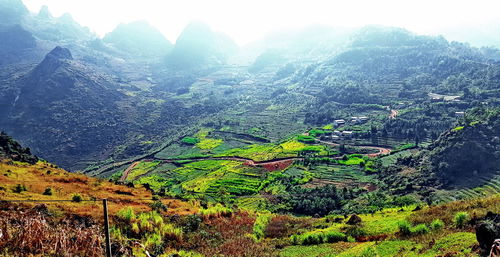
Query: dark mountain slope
[(383, 65), (469, 151), (72, 107)]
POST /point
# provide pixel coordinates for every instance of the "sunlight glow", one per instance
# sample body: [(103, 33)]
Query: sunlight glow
[(245, 21)]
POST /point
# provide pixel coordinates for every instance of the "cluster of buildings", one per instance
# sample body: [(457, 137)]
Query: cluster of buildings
[(354, 120), (337, 135)]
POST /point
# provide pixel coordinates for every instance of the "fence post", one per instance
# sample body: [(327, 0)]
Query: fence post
[(106, 227)]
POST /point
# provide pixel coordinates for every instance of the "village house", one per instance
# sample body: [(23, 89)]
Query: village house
[(347, 133), (360, 119), (338, 122), (459, 114)]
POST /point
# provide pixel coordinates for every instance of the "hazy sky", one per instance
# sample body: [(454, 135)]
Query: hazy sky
[(248, 20)]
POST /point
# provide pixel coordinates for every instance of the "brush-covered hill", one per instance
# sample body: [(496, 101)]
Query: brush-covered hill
[(203, 228), (25, 177), (469, 153), (64, 100), (45, 210)]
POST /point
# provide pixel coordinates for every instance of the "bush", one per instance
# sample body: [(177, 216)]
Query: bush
[(19, 188), (420, 229), (158, 206), (437, 224), (48, 191), (333, 237), (404, 228), (191, 223), (260, 225), (312, 239), (126, 214), (405, 200), (461, 219), (355, 231), (76, 198)]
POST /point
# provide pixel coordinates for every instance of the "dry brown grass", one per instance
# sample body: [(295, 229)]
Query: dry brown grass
[(228, 236), (28, 232), (64, 184), (476, 208)]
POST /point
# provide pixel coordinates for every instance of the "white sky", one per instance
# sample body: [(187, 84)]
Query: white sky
[(248, 20)]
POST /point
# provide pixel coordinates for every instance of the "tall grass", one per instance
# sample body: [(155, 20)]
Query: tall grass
[(318, 237), (461, 219), (216, 211), (437, 224), (260, 225), (28, 233)]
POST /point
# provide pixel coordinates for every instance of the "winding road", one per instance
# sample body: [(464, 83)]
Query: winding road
[(268, 164)]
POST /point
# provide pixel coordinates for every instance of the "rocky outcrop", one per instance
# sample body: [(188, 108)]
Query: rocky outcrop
[(10, 149), (488, 230)]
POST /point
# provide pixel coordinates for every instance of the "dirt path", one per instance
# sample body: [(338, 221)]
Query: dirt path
[(381, 150), (127, 171), (274, 164), (393, 114)]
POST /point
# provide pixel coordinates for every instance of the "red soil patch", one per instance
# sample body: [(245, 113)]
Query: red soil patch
[(278, 165)]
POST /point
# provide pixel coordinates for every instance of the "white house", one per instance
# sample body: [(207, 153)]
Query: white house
[(363, 118), (338, 122), (347, 133)]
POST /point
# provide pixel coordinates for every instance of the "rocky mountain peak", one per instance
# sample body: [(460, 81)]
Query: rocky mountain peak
[(44, 13), (60, 53), (53, 60), (12, 11)]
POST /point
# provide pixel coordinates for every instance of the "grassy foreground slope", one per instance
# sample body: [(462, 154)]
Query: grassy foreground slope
[(204, 229)]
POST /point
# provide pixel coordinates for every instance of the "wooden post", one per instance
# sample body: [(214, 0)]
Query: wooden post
[(106, 227)]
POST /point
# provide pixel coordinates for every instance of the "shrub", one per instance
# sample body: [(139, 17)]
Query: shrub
[(420, 229), (126, 214), (404, 228), (295, 239), (460, 219), (333, 237), (260, 225), (355, 231), (19, 188), (405, 200), (158, 206), (76, 198), (48, 191), (437, 224), (312, 239), (191, 223), (216, 211)]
